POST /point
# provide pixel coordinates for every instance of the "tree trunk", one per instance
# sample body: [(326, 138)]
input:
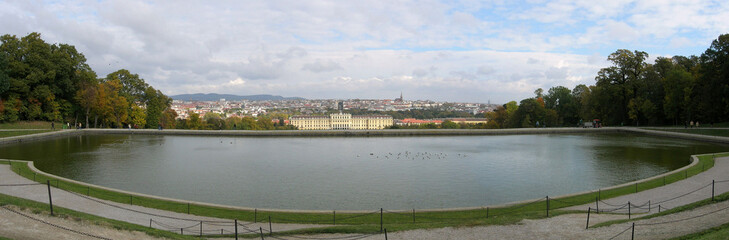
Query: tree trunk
[(87, 116)]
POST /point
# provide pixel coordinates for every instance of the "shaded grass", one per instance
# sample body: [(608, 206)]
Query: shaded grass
[(715, 233), (687, 207), (29, 125), (42, 208), (21, 132), (700, 131), (370, 222)]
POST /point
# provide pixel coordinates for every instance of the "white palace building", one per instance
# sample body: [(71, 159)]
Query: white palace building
[(341, 121)]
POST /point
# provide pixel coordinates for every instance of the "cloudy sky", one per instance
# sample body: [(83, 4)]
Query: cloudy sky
[(463, 51)]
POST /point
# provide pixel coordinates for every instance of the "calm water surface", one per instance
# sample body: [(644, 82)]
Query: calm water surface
[(356, 173)]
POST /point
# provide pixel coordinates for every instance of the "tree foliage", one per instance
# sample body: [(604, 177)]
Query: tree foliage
[(52, 82), (671, 90)]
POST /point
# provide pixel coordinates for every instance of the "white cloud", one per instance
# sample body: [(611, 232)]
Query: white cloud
[(322, 66), (463, 50)]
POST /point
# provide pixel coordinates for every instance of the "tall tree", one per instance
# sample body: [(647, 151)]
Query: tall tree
[(712, 93), (621, 78), (561, 100)]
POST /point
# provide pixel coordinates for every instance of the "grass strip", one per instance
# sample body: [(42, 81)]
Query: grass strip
[(30, 125), (21, 132), (369, 222), (699, 131), (687, 207), (42, 208), (715, 233)]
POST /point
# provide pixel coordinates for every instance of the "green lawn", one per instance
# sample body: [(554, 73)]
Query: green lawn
[(370, 222), (701, 131), (20, 133), (715, 233), (29, 125)]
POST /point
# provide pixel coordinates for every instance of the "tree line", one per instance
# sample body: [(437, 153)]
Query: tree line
[(53, 82), (214, 121), (670, 91)]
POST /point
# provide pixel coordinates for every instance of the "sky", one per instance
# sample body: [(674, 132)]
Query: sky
[(456, 51)]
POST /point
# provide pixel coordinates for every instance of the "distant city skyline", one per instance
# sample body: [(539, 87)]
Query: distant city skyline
[(455, 51)]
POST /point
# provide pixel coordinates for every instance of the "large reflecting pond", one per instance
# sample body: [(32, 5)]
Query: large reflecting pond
[(354, 173)]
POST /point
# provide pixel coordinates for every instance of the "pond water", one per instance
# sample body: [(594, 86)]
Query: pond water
[(359, 173)]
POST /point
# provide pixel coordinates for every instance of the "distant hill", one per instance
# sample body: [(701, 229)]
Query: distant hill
[(229, 97)]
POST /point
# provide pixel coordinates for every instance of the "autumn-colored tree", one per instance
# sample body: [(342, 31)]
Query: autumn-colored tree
[(137, 116)]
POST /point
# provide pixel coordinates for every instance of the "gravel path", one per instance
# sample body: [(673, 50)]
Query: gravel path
[(680, 193), (128, 213), (570, 226)]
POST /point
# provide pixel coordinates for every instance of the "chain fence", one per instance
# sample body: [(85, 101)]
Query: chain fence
[(207, 227)]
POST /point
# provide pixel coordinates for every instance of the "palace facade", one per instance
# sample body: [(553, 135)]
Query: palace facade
[(341, 121)]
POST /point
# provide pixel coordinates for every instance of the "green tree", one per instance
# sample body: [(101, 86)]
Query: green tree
[(561, 100), (156, 103), (194, 122), (214, 121), (448, 124), (264, 123), (168, 119), (137, 116), (618, 83), (711, 95), (678, 85), (117, 104)]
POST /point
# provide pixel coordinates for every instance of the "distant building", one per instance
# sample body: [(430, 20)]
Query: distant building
[(341, 121), (438, 121), (399, 100)]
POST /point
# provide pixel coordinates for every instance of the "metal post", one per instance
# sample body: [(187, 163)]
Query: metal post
[(261, 229), (712, 189), (88, 190), (236, 228), (182, 232), (188, 208), (270, 229), (380, 219), (385, 233), (255, 215), (547, 206), (659, 208), (649, 205), (487, 212), (597, 206), (130, 200), (201, 229), (628, 210), (632, 232), (588, 218), (413, 215), (150, 223), (334, 217), (664, 180), (50, 199)]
